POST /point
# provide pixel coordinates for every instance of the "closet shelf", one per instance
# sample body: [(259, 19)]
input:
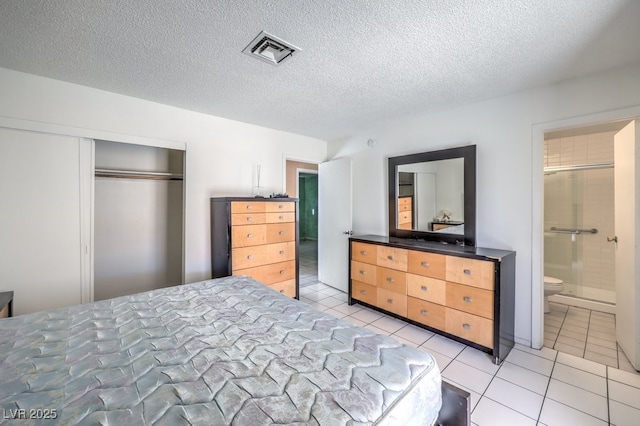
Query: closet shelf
[(133, 174)]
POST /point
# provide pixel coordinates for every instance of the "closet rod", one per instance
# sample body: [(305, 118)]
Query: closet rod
[(132, 174)]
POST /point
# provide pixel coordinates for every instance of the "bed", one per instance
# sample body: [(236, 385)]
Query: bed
[(223, 351)]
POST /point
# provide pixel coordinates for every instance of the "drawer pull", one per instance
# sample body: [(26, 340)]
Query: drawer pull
[(249, 235), (425, 264), (282, 291), (389, 280), (467, 271), (466, 326), (281, 271), (362, 272), (363, 291), (281, 251), (281, 206), (390, 257), (390, 301), (281, 233), (281, 217), (249, 206), (424, 312), (467, 299), (424, 288), (250, 257), (249, 219), (362, 252)]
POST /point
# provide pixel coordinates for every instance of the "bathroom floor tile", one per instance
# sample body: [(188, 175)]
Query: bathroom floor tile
[(536, 363), (603, 329), (571, 341), (622, 414), (523, 377), (377, 330), (366, 315), (389, 324), (581, 379), (582, 364), (347, 309), (414, 334), (441, 360), (625, 377), (601, 342), (568, 349), (547, 353), (604, 336), (444, 346), (477, 359), (470, 377), (557, 414), (613, 353), (624, 393), (573, 335), (602, 359)]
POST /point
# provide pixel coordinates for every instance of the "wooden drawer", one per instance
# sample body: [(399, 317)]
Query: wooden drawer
[(405, 201), (391, 257), (392, 302), (470, 299), (391, 279), (247, 257), (426, 313), (4, 312), (364, 292), (248, 235), (285, 287), (404, 207), (364, 272), (404, 225), (271, 274), (427, 264), (282, 206), (280, 232), (248, 218), (476, 273), (248, 206), (470, 327), (405, 217), (426, 288), (280, 217), (367, 253)]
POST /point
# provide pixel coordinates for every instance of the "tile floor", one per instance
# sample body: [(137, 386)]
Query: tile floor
[(531, 387), (584, 333)]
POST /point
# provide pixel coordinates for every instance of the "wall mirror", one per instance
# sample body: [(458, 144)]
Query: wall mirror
[(432, 196)]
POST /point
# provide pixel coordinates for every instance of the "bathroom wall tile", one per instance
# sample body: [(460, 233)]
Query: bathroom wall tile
[(523, 377)]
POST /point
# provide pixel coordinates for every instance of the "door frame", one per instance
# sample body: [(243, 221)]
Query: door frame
[(537, 204)]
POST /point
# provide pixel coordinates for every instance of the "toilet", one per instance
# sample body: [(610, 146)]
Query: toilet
[(551, 286)]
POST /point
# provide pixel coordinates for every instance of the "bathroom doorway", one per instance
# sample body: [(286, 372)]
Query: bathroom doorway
[(579, 242)]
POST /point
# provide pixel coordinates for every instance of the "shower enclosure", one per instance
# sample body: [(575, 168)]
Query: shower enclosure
[(578, 217)]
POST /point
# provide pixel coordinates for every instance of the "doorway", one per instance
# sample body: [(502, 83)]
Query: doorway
[(579, 243)]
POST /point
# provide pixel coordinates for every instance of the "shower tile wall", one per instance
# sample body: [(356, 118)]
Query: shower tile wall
[(590, 258)]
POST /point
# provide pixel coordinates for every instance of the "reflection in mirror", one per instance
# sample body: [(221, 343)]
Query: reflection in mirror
[(431, 196)]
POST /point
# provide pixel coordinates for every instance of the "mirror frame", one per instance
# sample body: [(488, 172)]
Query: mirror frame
[(468, 154)]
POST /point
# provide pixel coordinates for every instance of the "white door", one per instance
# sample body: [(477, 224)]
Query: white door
[(627, 228), (334, 222), (40, 225)]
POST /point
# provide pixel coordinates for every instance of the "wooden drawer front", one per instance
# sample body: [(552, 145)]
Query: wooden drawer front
[(247, 219), (248, 235), (4, 312), (470, 299), (367, 253), (405, 201), (426, 288), (391, 279), (405, 217), (427, 264), (271, 274), (392, 302), (280, 217), (282, 206), (286, 287), (391, 257), (280, 232), (470, 327), (364, 292), (363, 272), (247, 257), (426, 313), (476, 273), (248, 206), (404, 225)]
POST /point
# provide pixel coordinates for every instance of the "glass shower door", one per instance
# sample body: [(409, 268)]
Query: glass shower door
[(579, 214)]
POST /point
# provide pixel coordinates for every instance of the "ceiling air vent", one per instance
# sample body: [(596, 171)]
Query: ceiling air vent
[(270, 49)]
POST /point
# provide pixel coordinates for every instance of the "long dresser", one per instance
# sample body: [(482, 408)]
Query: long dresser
[(465, 293), (257, 237)]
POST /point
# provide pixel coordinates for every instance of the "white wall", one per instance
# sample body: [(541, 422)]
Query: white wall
[(220, 153), (503, 130)]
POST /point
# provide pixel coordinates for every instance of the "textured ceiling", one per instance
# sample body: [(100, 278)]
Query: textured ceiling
[(361, 61)]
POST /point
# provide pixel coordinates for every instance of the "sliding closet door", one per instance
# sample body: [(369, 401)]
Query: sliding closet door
[(40, 220)]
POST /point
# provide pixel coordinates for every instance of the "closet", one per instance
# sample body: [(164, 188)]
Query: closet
[(138, 217)]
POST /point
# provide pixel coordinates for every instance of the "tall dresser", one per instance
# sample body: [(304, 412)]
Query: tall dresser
[(257, 237), (465, 293), (405, 212)]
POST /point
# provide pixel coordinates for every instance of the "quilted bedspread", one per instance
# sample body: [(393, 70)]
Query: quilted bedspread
[(218, 352)]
